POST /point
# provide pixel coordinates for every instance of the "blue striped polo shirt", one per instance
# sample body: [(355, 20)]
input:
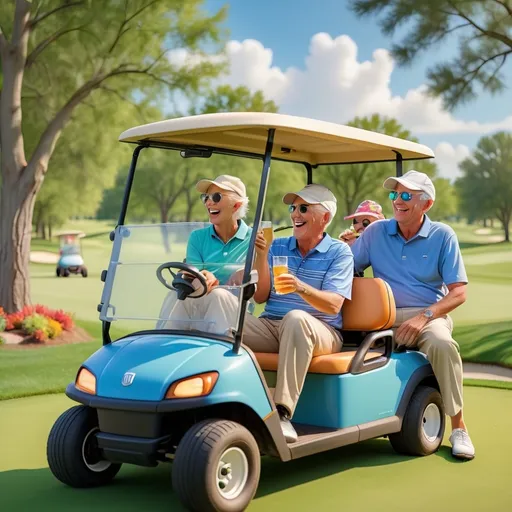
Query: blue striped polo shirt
[(328, 267), (417, 270)]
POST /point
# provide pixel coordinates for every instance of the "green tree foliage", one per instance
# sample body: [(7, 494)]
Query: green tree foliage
[(486, 183), (58, 55), (483, 29)]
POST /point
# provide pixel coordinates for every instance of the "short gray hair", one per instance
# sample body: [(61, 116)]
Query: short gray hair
[(242, 211)]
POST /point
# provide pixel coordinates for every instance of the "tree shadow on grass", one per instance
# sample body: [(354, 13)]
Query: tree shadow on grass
[(136, 489)]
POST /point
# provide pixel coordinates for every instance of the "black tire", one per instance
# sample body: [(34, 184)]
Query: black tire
[(58, 271), (422, 429), (196, 466), (83, 271), (65, 272), (70, 457)]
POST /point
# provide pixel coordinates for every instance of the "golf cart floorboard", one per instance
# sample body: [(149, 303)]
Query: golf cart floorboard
[(313, 439)]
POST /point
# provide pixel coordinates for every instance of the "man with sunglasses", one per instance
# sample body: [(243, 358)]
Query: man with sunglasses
[(367, 212), (304, 319), (422, 262)]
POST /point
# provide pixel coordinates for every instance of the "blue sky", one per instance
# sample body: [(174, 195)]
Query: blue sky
[(286, 27)]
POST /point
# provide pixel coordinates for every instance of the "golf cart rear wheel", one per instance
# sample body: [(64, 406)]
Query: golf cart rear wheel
[(423, 426), (216, 467), (83, 271), (72, 451)]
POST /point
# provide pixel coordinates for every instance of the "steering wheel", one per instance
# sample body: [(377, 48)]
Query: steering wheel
[(181, 283)]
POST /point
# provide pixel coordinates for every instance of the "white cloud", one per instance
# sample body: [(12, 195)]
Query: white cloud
[(448, 158), (335, 86)]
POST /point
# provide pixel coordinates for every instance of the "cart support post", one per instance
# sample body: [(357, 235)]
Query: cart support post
[(129, 183), (251, 251)]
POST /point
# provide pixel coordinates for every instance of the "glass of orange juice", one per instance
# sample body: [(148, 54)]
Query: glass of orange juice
[(268, 232), (279, 266)]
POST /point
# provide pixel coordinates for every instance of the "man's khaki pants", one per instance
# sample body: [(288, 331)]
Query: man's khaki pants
[(297, 338), (436, 342)]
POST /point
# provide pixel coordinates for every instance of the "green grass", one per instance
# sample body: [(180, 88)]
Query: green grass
[(39, 371), (365, 476)]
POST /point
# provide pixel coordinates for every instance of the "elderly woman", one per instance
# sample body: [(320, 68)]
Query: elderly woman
[(219, 251), (367, 212)]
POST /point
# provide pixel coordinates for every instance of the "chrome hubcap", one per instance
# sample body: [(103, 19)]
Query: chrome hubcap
[(232, 473), (91, 454), (431, 422)]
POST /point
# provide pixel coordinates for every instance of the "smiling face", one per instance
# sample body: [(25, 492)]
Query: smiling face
[(311, 224), (222, 213), (410, 213)]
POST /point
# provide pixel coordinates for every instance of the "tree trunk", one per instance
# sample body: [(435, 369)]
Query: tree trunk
[(16, 209)]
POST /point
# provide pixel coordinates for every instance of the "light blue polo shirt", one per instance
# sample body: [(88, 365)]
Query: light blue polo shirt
[(206, 251), (418, 269), (329, 267)]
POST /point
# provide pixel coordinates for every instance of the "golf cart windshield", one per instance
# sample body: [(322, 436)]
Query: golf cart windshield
[(137, 288)]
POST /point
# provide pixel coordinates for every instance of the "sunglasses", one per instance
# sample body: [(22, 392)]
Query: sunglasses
[(406, 196), (303, 208), (215, 197), (364, 222)]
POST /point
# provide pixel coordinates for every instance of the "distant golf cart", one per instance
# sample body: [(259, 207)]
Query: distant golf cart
[(70, 254), (186, 392)]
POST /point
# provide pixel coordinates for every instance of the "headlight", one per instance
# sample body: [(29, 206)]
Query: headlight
[(86, 381), (197, 385)]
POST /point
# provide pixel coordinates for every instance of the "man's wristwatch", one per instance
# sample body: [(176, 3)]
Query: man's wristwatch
[(428, 314)]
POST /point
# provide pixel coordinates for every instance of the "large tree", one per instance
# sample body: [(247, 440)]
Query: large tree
[(55, 56), (486, 183), (483, 29)]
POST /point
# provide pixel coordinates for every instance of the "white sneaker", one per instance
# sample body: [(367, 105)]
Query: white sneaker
[(462, 447), (289, 432)]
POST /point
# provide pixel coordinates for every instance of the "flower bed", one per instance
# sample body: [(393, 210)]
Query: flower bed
[(37, 324)]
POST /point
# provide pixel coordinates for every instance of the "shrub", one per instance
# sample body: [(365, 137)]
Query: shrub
[(54, 328), (35, 322), (2, 340), (16, 320), (3, 323)]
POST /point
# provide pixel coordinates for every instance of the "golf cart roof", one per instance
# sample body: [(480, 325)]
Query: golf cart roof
[(78, 234), (297, 139)]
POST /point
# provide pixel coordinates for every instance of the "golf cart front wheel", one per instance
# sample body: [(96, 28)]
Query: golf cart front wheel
[(216, 467), (72, 450), (423, 425)]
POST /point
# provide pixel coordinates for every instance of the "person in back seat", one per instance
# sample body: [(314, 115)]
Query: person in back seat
[(422, 262), (367, 212), (304, 319)]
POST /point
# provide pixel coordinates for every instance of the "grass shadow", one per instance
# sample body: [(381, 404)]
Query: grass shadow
[(137, 488)]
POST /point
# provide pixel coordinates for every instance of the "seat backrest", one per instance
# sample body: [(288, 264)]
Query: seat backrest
[(372, 307)]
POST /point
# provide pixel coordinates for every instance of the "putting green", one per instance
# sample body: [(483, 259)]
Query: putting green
[(361, 477)]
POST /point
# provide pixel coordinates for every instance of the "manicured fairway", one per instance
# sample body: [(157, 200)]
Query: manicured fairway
[(368, 476)]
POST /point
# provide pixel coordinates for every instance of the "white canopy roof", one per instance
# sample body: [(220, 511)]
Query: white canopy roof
[(297, 139)]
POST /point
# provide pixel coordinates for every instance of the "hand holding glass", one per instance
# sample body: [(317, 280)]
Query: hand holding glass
[(268, 232)]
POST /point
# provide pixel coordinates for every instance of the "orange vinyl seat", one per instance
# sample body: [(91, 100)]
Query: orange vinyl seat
[(372, 308)]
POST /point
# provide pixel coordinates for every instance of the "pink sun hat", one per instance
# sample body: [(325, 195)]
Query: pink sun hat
[(368, 208)]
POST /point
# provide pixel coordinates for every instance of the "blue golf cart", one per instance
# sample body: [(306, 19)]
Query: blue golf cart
[(184, 391), (70, 254)]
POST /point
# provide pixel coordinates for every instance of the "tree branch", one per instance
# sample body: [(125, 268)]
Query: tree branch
[(46, 42), (21, 20), (505, 5), (127, 100), (45, 15), (3, 40), (491, 33)]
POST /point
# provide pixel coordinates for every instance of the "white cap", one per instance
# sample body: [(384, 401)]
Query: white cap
[(314, 194), (224, 181), (413, 180)]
